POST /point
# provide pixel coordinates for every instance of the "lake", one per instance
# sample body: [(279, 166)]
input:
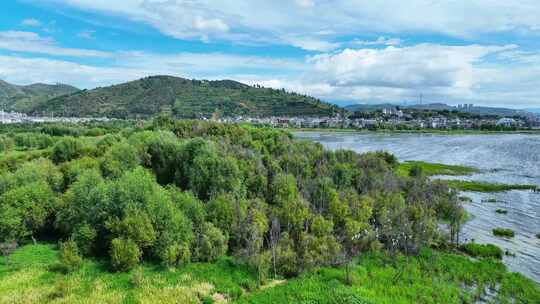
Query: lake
[(502, 158)]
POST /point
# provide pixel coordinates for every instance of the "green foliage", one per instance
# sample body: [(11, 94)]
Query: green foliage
[(212, 174), (210, 244), (121, 157), (431, 277), (24, 210), (66, 149), (486, 187), (33, 140), (416, 171), (175, 255), (73, 169), (136, 226), (428, 278), (70, 259), (501, 211), (431, 169), (85, 237), (177, 192), (124, 254), (481, 250), (504, 232), (6, 143)]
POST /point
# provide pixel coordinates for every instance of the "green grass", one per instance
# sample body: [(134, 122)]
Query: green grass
[(482, 250), (431, 169), (465, 199), (477, 186), (30, 278), (431, 277), (504, 232), (501, 211)]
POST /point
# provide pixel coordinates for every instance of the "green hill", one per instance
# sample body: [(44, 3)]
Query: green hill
[(184, 98), (25, 98)]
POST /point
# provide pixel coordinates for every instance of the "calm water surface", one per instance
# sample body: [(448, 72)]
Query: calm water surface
[(504, 158)]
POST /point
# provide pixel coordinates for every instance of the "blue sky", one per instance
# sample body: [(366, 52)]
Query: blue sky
[(357, 51)]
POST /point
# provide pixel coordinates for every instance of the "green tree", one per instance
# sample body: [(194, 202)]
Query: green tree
[(26, 210), (66, 149), (135, 225), (120, 158), (213, 174)]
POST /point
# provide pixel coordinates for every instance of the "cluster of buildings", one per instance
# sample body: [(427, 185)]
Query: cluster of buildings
[(15, 117), (391, 119)]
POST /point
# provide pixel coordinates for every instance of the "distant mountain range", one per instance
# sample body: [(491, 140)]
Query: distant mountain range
[(25, 98), (184, 98), (480, 110)]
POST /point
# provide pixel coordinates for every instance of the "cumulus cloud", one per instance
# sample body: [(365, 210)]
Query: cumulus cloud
[(132, 65), (21, 70), (248, 21), (496, 75), (20, 41), (452, 74), (419, 66)]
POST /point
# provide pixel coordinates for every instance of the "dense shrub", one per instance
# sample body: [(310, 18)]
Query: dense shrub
[(483, 251), (66, 149), (6, 143), (181, 191), (124, 254), (70, 259), (33, 140), (504, 232)]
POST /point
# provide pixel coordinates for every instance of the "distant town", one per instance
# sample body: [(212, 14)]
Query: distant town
[(395, 118), (391, 118)]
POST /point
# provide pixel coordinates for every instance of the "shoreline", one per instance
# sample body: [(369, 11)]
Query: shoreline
[(438, 132)]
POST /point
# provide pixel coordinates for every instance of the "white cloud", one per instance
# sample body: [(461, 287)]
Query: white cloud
[(30, 42), (247, 21), (416, 67), (312, 44), (132, 65), (379, 41), (22, 70), (31, 22), (305, 3), (453, 74)]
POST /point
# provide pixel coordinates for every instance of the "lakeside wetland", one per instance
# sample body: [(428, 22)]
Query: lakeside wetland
[(200, 212), (500, 159)]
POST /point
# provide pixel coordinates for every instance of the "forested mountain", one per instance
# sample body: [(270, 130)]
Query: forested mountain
[(184, 98), (25, 98)]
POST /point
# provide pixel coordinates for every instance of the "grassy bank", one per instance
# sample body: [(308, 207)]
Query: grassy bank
[(477, 186), (430, 169), (431, 277)]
